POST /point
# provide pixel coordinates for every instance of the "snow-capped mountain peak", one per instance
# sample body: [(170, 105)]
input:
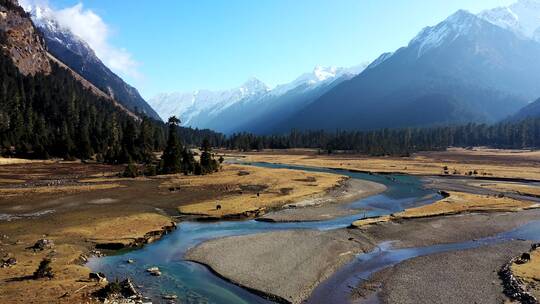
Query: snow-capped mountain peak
[(455, 26), (324, 73), (522, 17), (253, 86), (319, 76)]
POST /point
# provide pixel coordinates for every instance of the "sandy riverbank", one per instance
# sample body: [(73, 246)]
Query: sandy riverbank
[(286, 264), (332, 205), (465, 276), (291, 264)]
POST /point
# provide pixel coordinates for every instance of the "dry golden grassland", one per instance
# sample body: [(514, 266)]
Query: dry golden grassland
[(13, 161), (252, 189), (456, 203), (71, 241), (483, 162)]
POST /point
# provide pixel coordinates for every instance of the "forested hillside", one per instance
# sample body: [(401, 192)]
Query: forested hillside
[(401, 142)]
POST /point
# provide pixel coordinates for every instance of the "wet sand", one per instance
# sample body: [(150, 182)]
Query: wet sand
[(284, 265), (466, 276)]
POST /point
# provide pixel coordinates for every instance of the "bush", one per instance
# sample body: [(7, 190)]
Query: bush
[(198, 169), (131, 171), (44, 270), (100, 158), (150, 170)]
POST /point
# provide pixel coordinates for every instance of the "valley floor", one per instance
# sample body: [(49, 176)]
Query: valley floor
[(81, 206)]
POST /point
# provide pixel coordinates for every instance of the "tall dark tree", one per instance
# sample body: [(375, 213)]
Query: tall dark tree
[(208, 163), (171, 160)]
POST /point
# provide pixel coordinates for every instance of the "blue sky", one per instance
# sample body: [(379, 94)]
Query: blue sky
[(181, 45)]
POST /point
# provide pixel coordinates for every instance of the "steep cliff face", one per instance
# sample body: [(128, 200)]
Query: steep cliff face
[(23, 43), (20, 40), (75, 53)]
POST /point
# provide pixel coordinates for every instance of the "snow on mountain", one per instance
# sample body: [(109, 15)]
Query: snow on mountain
[(457, 25), (522, 17), (188, 105), (319, 76), (379, 60), (44, 18), (195, 108)]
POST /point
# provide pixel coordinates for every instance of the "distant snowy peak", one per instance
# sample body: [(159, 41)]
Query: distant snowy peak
[(459, 24), (319, 76), (189, 105), (522, 17), (253, 86)]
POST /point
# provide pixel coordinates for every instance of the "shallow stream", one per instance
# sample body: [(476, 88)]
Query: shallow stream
[(194, 283)]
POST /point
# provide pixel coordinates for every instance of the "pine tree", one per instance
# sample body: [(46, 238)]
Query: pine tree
[(171, 160)]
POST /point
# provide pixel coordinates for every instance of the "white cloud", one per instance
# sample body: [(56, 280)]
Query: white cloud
[(89, 26)]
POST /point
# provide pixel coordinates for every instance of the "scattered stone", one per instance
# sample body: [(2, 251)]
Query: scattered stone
[(523, 259), (170, 297), (42, 244), (97, 276), (96, 253), (8, 262), (512, 285), (154, 271), (120, 292)]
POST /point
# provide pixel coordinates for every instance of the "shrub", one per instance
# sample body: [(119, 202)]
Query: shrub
[(131, 171), (44, 270), (150, 170)]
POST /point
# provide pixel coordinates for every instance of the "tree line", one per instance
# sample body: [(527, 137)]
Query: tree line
[(399, 142)]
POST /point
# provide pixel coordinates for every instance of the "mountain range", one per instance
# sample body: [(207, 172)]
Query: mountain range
[(465, 69), (253, 106), (468, 68)]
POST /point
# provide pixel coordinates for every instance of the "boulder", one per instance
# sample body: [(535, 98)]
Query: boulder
[(97, 276), (43, 244), (8, 262), (154, 271)]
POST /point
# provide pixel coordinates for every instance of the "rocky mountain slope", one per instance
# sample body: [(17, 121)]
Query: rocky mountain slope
[(77, 54), (23, 44)]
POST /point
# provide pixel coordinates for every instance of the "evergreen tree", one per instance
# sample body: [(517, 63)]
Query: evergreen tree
[(171, 160)]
